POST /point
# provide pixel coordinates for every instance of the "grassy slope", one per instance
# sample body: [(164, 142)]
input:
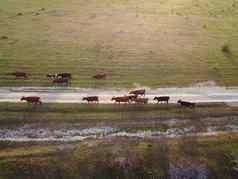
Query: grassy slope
[(150, 42)]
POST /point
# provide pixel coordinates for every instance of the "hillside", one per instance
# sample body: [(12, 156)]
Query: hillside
[(148, 42)]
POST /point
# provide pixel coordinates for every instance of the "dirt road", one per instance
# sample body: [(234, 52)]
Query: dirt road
[(74, 95)]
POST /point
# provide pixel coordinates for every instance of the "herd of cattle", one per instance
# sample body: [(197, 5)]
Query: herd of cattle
[(136, 96), (56, 78)]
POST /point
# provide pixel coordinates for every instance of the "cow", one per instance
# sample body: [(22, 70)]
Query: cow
[(138, 92), (51, 76), (60, 81), (132, 97), (140, 100), (19, 75), (102, 76), (186, 104), (31, 99), (64, 75), (121, 99), (91, 99), (162, 99)]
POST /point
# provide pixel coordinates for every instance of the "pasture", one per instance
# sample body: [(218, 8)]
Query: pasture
[(122, 158), (146, 42)]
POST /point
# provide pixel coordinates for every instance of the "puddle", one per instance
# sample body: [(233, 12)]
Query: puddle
[(189, 172), (44, 134), (27, 133), (170, 133)]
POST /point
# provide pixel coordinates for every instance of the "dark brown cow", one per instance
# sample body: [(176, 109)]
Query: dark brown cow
[(91, 99), (19, 75), (59, 75), (102, 76), (141, 100), (32, 99), (121, 99), (132, 97), (64, 75), (60, 81), (138, 92), (162, 99), (186, 104)]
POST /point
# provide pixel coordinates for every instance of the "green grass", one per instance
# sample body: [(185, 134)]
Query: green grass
[(108, 158), (14, 113), (146, 42)]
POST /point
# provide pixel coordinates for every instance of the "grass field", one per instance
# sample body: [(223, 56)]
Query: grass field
[(121, 158), (48, 114), (147, 42)]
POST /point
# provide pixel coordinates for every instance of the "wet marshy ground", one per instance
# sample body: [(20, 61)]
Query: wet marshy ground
[(26, 133), (174, 144), (171, 128)]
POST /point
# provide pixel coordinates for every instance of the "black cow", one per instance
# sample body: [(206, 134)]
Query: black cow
[(186, 104), (162, 99), (91, 99)]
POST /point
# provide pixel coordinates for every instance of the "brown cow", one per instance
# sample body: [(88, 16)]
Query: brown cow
[(138, 92), (141, 100), (91, 99), (186, 104), (102, 76), (162, 99), (19, 75), (121, 99), (60, 81), (32, 99)]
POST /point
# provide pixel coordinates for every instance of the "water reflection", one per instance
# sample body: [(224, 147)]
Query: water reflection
[(188, 172)]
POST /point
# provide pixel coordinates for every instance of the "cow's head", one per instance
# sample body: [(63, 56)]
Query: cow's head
[(84, 98), (179, 101), (22, 98)]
